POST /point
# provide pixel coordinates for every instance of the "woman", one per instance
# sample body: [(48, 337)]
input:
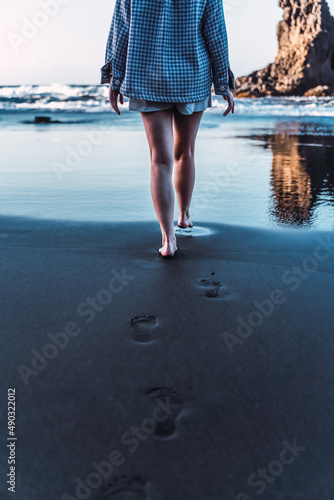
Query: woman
[(164, 55)]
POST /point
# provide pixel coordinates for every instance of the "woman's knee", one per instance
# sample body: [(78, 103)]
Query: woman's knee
[(161, 158), (183, 152)]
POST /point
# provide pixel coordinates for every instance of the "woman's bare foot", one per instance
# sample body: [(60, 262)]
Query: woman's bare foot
[(184, 220), (168, 247)]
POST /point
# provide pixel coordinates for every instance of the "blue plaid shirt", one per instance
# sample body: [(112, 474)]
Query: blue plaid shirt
[(168, 50)]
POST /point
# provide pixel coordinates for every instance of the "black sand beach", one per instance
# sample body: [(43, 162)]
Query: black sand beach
[(207, 376)]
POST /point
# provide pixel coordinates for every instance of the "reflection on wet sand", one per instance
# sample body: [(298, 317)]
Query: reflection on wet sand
[(302, 175)]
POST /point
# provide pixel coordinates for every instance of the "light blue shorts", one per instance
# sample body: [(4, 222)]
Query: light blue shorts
[(186, 108)]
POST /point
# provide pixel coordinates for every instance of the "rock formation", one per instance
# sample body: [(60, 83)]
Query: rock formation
[(304, 64)]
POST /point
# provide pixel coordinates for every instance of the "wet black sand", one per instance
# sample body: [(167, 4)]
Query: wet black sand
[(152, 373)]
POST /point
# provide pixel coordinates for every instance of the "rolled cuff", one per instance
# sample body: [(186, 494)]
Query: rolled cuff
[(231, 79), (116, 82), (222, 86), (107, 74)]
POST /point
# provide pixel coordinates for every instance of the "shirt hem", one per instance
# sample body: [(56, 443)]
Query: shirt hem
[(164, 98)]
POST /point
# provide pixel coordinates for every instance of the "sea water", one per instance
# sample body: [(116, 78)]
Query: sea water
[(270, 164)]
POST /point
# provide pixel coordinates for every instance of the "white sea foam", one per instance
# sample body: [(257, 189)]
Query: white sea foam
[(94, 98)]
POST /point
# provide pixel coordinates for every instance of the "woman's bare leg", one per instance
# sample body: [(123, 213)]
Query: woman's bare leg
[(159, 131), (185, 131)]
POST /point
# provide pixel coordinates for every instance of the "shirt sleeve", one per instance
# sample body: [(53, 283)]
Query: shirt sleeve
[(215, 35), (117, 45)]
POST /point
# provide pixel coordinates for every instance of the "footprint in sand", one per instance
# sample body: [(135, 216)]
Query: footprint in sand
[(171, 403), (124, 488), (143, 328), (187, 232), (212, 287)]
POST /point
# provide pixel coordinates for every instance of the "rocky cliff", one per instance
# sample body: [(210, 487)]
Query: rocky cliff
[(304, 64)]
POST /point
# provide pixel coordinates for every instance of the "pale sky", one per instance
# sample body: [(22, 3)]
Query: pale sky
[(68, 46)]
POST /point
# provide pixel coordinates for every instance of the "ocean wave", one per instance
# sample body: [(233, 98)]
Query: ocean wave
[(281, 106), (94, 98), (54, 97)]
